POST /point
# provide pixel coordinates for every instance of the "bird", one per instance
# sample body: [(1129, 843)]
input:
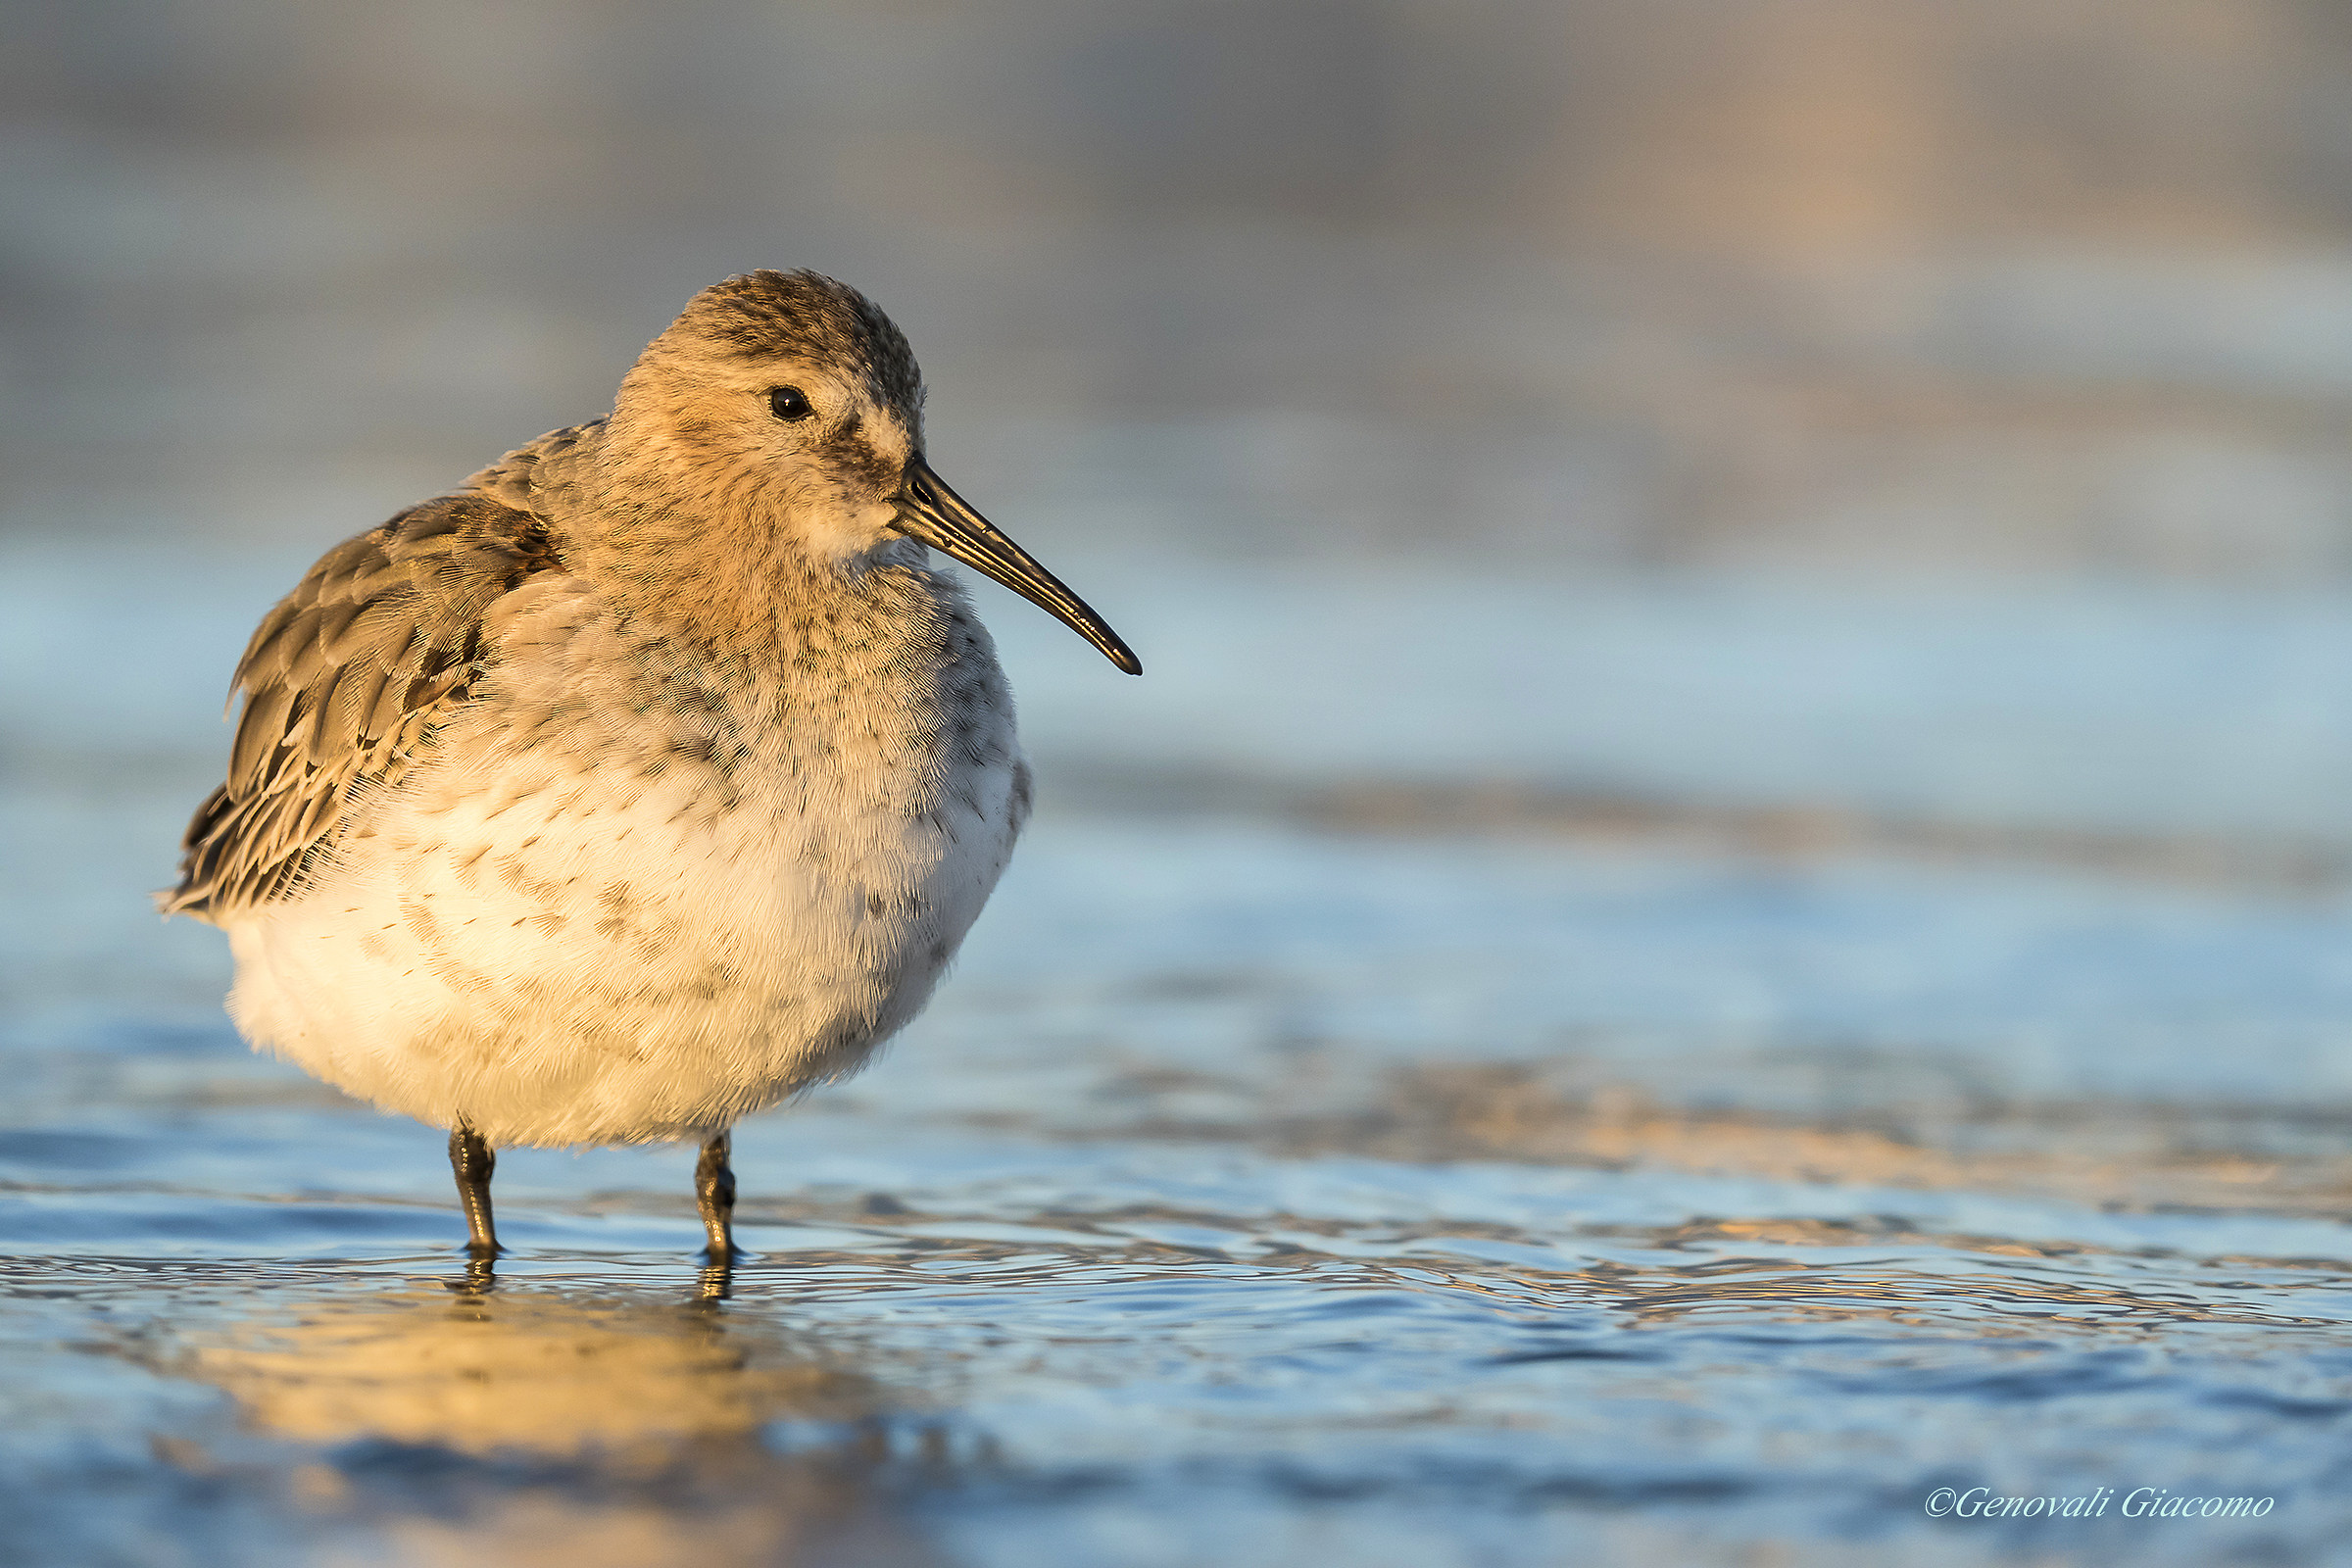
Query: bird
[(645, 780)]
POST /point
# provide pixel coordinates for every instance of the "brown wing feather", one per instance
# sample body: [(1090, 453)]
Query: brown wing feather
[(344, 683)]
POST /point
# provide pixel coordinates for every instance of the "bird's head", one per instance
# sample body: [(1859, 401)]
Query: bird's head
[(791, 401)]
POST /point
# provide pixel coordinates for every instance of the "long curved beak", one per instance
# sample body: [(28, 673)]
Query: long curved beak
[(937, 515)]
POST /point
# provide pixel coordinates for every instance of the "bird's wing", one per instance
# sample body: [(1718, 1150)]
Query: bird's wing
[(542, 477), (344, 683)]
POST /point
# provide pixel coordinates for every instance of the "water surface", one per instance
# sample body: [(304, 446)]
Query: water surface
[(1273, 1184)]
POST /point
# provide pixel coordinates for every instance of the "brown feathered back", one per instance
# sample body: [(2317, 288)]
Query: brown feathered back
[(344, 683)]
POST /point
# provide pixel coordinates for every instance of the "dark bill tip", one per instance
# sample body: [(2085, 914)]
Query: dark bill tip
[(930, 511)]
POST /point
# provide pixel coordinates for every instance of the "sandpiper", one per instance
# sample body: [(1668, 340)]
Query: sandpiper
[(648, 778)]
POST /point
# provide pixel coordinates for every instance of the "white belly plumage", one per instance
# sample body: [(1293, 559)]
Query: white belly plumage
[(599, 958)]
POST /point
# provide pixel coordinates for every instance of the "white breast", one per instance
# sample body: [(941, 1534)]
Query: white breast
[(588, 923)]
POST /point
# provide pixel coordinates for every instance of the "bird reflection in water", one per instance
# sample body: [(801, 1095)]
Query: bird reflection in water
[(485, 1421)]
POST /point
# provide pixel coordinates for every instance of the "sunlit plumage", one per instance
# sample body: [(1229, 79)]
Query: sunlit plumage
[(649, 777)]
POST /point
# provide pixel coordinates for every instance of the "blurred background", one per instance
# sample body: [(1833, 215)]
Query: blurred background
[(1986, 286), (1297, 331), (1748, 614)]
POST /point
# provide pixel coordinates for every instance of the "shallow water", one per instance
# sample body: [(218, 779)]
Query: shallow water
[(1268, 1191)]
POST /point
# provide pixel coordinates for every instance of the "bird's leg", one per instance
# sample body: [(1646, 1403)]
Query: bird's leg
[(472, 1161), (715, 1196)]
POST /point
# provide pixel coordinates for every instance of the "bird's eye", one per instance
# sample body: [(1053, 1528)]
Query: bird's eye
[(790, 403)]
